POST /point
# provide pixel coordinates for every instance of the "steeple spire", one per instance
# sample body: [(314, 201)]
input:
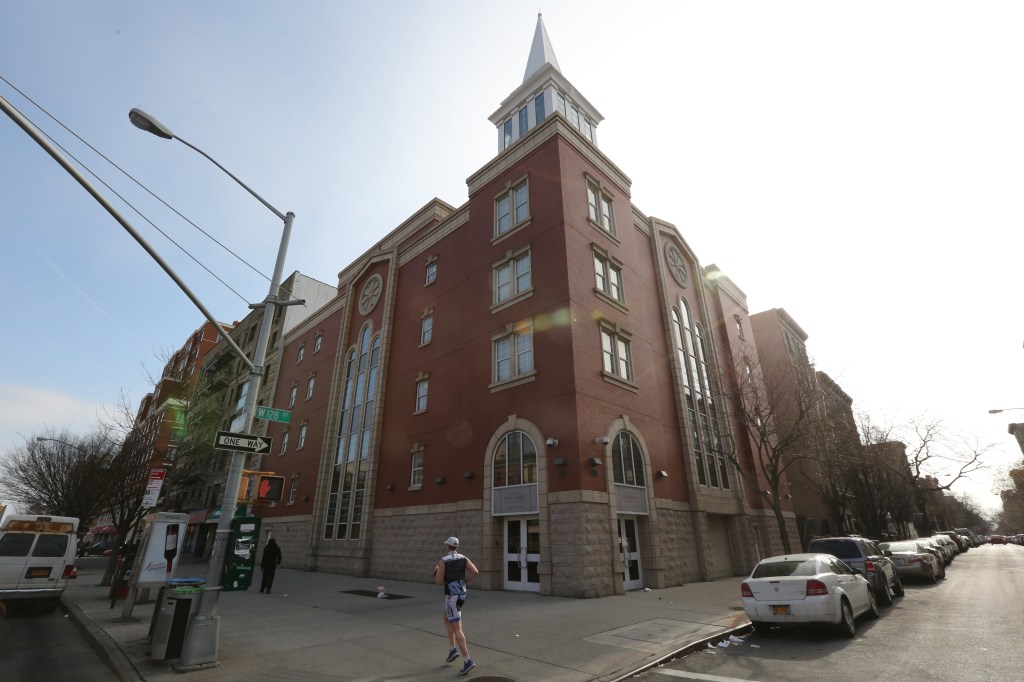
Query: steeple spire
[(541, 52)]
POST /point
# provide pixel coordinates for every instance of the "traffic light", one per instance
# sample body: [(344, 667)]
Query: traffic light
[(270, 488)]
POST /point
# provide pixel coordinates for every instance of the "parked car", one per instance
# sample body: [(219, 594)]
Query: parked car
[(863, 554), (101, 548), (806, 588), (996, 540), (960, 541), (940, 551), (967, 533), (37, 557), (948, 543), (913, 559)]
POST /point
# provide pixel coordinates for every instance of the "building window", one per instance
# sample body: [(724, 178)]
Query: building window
[(599, 208), (701, 405), (627, 460), (346, 498), (318, 342), (512, 276), (512, 208), (506, 131), (513, 353), (608, 276), (560, 103), (293, 492), (416, 466), (422, 391), (302, 437), (302, 353), (515, 460), (524, 121), (426, 329), (538, 108), (739, 325), (574, 117), (431, 272), (293, 394), (588, 130), (284, 442), (309, 386), (615, 352)]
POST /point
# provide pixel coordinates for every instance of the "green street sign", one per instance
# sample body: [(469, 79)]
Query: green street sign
[(270, 414)]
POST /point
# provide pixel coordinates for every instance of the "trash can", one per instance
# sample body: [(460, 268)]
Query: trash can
[(176, 604)]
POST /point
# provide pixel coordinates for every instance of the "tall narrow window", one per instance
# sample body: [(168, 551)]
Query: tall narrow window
[(293, 394), (293, 491), (538, 108), (309, 386), (513, 353), (422, 392), (346, 499), (302, 437), (574, 117), (318, 343), (506, 131), (426, 329), (588, 130), (511, 208), (627, 460), (515, 460), (512, 277), (302, 352), (284, 442), (701, 406), (524, 121), (560, 103), (431, 272), (416, 466)]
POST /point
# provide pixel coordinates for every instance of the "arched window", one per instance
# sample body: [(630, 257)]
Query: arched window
[(346, 499), (627, 460), (699, 397), (515, 460)]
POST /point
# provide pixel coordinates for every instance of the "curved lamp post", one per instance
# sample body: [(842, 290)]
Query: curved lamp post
[(1004, 409), (43, 439), (200, 647)]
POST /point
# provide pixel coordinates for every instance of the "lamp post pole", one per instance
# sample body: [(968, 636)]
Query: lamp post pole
[(200, 647)]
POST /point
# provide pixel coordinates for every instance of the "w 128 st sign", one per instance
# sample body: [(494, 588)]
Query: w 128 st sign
[(243, 442)]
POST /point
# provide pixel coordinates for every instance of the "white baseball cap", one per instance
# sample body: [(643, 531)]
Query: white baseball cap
[(452, 541)]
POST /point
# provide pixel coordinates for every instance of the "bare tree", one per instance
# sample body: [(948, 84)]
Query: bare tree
[(776, 409), (61, 474), (936, 458)]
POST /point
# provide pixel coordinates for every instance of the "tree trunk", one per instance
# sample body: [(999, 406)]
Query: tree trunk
[(783, 533)]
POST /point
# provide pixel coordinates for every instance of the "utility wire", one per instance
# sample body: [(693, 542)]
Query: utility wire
[(128, 203)]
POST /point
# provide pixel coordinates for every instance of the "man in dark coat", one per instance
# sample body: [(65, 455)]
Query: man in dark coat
[(271, 560)]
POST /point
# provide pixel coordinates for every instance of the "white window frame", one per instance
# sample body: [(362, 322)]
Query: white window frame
[(309, 386), (431, 273), (600, 206), (302, 436), (422, 393), (426, 329), (512, 207), (293, 491), (608, 276), (294, 394), (512, 354), (302, 352), (318, 342), (616, 354), (284, 442), (416, 467), (513, 276)]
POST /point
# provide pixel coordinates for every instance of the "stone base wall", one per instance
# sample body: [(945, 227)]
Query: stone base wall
[(583, 557), (676, 561), (292, 534)]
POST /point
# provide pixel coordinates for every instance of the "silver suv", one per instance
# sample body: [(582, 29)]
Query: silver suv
[(863, 554)]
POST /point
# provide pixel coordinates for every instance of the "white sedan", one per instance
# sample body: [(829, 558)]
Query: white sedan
[(806, 588)]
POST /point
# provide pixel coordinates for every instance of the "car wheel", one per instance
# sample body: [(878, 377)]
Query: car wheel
[(872, 606), (885, 595), (932, 578), (898, 589), (847, 628)]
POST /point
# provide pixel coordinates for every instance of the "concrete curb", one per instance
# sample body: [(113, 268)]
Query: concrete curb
[(684, 651), (102, 643)]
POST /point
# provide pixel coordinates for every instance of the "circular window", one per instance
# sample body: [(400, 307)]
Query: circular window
[(371, 294), (676, 265)]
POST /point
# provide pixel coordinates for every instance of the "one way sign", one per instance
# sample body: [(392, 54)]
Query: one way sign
[(242, 442)]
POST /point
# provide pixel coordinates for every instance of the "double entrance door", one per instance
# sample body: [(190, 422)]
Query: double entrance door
[(629, 546), (522, 554)]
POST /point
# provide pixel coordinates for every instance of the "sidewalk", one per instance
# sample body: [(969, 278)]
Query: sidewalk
[(310, 630)]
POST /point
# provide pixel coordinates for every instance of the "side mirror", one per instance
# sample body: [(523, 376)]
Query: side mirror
[(887, 552), (857, 571)]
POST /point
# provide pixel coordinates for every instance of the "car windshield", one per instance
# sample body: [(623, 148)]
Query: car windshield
[(778, 569)]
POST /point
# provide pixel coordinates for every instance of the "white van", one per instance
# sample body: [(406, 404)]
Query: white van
[(37, 557)]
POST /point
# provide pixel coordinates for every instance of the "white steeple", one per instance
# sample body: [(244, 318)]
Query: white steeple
[(543, 92), (541, 52)]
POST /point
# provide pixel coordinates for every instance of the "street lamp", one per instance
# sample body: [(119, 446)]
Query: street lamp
[(200, 647), (1005, 409), (43, 439)]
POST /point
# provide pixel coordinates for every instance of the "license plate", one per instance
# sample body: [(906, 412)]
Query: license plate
[(39, 572), (780, 610)]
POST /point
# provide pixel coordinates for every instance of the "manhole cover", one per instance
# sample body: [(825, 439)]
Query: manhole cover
[(373, 593)]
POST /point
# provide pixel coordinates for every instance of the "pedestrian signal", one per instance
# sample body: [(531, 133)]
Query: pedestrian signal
[(270, 488)]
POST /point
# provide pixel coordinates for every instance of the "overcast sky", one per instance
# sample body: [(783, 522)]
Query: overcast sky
[(858, 164)]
